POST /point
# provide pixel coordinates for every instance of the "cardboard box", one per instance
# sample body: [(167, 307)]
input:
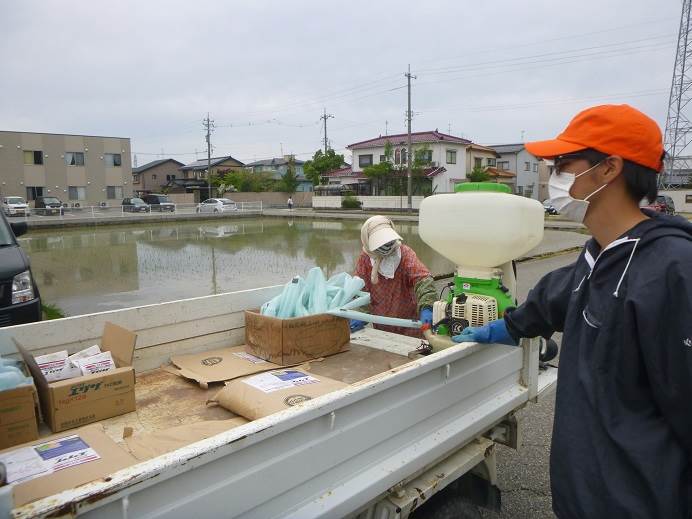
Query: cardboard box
[(18, 417), (150, 445), (292, 341), (273, 391), (111, 458), (219, 365), (81, 400)]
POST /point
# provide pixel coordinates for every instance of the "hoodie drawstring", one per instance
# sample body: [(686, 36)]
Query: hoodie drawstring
[(617, 289)]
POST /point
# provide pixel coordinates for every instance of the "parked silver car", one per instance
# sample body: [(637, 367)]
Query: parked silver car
[(217, 205), (15, 206)]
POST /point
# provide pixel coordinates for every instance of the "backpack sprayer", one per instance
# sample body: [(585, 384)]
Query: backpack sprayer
[(481, 228)]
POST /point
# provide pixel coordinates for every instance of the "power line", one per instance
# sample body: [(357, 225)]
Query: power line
[(544, 102), (445, 70), (545, 63), (543, 41)]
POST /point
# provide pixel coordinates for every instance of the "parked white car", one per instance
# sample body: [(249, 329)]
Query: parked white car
[(217, 205), (15, 206)]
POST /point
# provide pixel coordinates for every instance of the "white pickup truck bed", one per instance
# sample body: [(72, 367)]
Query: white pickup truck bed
[(401, 424)]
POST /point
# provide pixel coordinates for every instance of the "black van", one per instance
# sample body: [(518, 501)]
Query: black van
[(159, 202), (20, 301)]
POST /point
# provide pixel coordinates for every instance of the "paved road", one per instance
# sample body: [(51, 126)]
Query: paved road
[(523, 475)]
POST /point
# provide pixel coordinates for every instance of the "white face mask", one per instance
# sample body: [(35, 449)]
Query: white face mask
[(559, 187)]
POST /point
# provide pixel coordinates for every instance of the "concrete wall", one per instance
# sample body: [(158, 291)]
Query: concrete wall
[(390, 203), (680, 197), (274, 199), (54, 175), (182, 198)]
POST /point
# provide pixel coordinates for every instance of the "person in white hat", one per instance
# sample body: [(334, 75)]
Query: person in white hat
[(398, 282)]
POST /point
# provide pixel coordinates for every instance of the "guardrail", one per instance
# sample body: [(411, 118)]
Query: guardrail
[(121, 211)]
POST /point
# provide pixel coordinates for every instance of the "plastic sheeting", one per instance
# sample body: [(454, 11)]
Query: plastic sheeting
[(11, 376), (317, 295)]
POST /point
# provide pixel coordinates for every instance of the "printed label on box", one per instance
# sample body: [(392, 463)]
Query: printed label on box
[(45, 458), (249, 358), (276, 380)]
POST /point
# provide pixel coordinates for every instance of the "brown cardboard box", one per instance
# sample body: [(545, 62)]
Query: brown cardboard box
[(291, 341), (81, 400), (18, 417), (112, 458), (149, 445), (218, 365), (273, 391)]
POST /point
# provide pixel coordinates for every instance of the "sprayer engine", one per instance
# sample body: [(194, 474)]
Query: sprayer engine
[(464, 310)]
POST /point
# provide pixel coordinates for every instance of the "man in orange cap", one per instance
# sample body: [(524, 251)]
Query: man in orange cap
[(622, 435)]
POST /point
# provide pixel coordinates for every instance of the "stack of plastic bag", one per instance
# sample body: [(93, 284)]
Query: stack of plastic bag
[(11, 376), (316, 295)]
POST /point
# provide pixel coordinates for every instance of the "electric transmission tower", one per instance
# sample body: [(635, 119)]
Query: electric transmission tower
[(678, 135)]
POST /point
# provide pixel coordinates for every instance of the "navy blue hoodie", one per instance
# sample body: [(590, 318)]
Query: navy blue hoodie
[(622, 435)]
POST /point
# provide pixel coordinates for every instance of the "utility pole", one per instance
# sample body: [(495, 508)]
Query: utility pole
[(386, 127), (409, 186), (326, 116), (208, 126)]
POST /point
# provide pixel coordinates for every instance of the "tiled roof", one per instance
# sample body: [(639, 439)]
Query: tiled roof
[(274, 162), (401, 138), (201, 164), (484, 148), (508, 148), (500, 173), (348, 172), (152, 164), (344, 172)]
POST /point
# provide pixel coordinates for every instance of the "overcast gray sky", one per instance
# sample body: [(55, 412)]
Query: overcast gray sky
[(150, 70)]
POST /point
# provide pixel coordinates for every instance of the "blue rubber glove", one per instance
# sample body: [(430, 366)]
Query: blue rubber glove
[(494, 332), (426, 315), (356, 325)]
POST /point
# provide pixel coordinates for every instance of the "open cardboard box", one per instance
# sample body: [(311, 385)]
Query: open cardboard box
[(81, 400), (292, 341)]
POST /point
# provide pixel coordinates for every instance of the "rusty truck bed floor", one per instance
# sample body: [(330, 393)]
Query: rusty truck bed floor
[(166, 400)]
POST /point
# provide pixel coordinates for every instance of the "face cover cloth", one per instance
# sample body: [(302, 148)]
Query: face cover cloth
[(559, 187), (388, 264)]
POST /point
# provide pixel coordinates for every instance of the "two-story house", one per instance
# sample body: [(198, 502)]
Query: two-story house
[(449, 158), (155, 175), (278, 167), (197, 170), (516, 159)]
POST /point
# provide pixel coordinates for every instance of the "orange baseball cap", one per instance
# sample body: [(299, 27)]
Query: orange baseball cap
[(612, 129)]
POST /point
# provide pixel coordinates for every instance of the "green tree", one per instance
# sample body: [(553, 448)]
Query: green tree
[(478, 174), (322, 163), (246, 181), (382, 171), (289, 180)]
